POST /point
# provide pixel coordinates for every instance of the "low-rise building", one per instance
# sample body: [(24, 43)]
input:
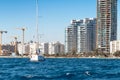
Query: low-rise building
[(114, 46), (44, 48), (56, 48), (33, 47), (23, 49), (8, 49)]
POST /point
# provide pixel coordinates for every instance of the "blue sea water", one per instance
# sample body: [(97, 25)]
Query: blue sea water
[(59, 69)]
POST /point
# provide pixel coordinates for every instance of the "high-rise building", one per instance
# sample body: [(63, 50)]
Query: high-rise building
[(106, 24), (86, 37), (80, 36), (71, 36)]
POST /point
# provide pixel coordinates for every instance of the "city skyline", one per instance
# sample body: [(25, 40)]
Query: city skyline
[(54, 17)]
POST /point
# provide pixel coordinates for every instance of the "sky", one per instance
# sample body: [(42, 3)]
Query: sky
[(54, 17)]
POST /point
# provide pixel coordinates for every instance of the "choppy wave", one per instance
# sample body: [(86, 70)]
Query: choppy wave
[(60, 69)]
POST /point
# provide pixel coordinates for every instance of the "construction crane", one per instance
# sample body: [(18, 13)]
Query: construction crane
[(1, 32), (23, 30), (15, 50)]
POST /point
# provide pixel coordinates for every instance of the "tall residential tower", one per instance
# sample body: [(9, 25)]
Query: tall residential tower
[(80, 36), (106, 24)]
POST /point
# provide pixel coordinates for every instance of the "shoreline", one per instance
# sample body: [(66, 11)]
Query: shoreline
[(62, 57), (14, 57), (88, 57)]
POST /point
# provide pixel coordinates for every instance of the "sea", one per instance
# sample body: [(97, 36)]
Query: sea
[(60, 69)]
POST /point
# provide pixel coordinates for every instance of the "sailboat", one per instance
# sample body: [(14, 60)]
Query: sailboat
[(37, 56)]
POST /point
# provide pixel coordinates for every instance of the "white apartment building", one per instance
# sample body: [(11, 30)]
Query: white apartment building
[(62, 48), (80, 36), (23, 49), (33, 47), (114, 46), (56, 48), (44, 48)]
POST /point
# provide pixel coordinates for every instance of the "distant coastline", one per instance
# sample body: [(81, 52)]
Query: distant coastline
[(62, 57), (14, 57), (88, 57)]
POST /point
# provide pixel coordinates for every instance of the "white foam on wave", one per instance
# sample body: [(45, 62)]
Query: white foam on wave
[(87, 72), (29, 76), (67, 74)]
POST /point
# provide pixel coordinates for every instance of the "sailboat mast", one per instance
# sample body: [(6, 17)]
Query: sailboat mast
[(37, 18)]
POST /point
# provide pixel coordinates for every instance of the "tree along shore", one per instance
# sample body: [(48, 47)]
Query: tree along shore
[(93, 54)]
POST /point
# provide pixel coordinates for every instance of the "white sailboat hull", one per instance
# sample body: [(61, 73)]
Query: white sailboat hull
[(36, 57)]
